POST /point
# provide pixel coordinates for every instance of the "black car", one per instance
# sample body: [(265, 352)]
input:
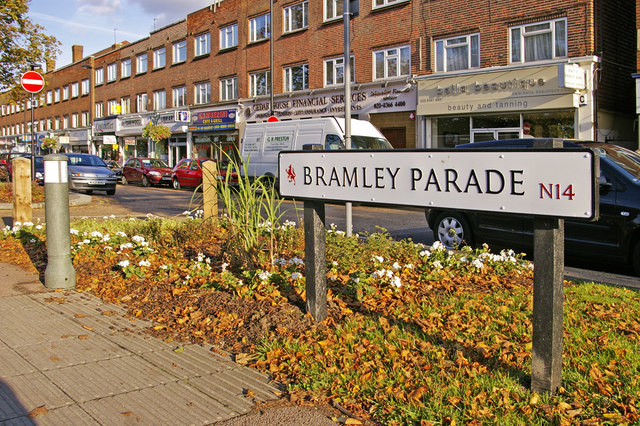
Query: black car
[(613, 238)]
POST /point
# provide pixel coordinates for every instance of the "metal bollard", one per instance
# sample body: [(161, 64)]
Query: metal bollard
[(60, 272)]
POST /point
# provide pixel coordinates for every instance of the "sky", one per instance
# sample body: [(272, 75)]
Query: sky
[(97, 24)]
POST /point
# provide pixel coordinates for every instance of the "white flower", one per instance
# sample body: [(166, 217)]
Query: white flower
[(121, 234), (32, 240), (188, 277), (224, 266), (409, 266), (277, 261), (395, 282), (123, 264), (138, 239), (296, 261), (200, 257), (437, 245), (18, 223), (425, 253), (96, 234), (126, 246), (38, 227), (396, 266), (296, 275), (27, 224), (73, 231), (106, 238), (144, 263), (378, 259), (264, 275), (477, 263), (437, 264), (85, 241), (164, 267)]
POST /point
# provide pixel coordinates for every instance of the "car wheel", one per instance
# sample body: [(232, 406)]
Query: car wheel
[(453, 230), (89, 191), (176, 183), (145, 181), (124, 180), (111, 192)]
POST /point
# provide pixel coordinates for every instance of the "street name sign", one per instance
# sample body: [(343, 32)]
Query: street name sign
[(543, 182), (32, 82)]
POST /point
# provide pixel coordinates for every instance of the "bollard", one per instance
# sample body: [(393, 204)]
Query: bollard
[(210, 189), (21, 187), (60, 272)]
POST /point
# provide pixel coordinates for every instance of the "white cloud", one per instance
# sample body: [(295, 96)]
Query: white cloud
[(98, 7), (168, 11)]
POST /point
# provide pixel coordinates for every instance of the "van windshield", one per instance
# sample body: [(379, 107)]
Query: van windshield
[(369, 142), (628, 160)]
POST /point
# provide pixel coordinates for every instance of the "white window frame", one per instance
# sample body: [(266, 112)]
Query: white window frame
[(125, 68), (289, 15), (384, 3), (392, 53), (125, 105), (112, 72), (257, 24), (442, 46), (333, 9), (49, 98), (85, 86), (99, 109), (254, 79), (202, 44), (179, 96), (84, 120), (159, 100), (336, 65), (202, 93), (229, 36), (141, 63), (518, 36), (228, 88), (179, 52), (75, 89), (74, 120), (65, 93), (142, 102), (99, 76), (159, 58), (113, 106), (56, 97), (288, 78)]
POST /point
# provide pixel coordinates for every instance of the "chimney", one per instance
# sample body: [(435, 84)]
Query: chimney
[(76, 53)]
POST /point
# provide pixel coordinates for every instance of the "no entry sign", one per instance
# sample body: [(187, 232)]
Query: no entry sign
[(32, 82)]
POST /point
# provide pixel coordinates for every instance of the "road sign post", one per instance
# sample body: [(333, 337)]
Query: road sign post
[(32, 82)]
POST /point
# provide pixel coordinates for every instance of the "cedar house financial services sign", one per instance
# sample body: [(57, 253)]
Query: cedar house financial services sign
[(526, 89)]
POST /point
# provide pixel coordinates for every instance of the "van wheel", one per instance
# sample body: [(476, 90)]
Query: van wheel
[(453, 230)]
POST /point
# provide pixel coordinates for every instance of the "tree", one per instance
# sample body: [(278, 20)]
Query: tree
[(22, 44)]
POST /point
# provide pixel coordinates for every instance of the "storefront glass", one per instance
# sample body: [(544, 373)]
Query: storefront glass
[(550, 124), (217, 147), (162, 151), (142, 148)]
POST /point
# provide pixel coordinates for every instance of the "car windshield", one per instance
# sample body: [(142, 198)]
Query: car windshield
[(86, 160), (369, 142), (628, 160), (153, 162)]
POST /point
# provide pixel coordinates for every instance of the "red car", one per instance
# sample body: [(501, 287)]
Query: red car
[(188, 173), (147, 171)]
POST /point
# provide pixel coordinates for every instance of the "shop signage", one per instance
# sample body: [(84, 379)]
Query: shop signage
[(130, 141), (109, 139), (377, 98), (572, 76), (182, 116), (208, 121), (514, 90), (558, 183), (103, 126), (79, 136), (64, 140)]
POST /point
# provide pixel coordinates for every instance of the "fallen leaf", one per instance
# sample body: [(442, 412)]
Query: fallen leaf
[(38, 411), (179, 349), (79, 316), (54, 358), (127, 413), (86, 327), (83, 336)]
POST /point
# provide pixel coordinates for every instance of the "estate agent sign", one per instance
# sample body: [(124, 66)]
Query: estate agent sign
[(557, 183)]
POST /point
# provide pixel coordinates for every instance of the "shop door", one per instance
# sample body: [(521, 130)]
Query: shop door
[(397, 136), (484, 135)]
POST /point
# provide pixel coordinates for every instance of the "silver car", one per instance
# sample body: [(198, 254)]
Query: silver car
[(87, 172)]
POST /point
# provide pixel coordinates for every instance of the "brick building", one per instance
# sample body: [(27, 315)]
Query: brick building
[(427, 74)]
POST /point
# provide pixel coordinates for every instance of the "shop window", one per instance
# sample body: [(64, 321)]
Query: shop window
[(458, 53), (540, 41), (259, 28), (260, 83), (334, 71), (296, 17), (296, 78), (448, 132), (390, 63), (553, 124)]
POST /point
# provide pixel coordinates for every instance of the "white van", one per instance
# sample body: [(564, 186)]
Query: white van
[(262, 142)]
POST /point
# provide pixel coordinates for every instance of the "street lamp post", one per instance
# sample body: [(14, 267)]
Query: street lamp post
[(347, 102)]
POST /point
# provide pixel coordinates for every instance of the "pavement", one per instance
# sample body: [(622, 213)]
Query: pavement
[(69, 358), (75, 199)]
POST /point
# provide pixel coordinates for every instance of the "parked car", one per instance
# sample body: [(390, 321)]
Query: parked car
[(188, 173), (613, 238), (117, 169), (147, 171), (87, 172), (6, 165)]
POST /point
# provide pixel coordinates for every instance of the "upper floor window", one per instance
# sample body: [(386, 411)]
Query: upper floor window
[(179, 96), (202, 44), (84, 120), (296, 78), (202, 93), (99, 76), (112, 72), (159, 58), (539, 41), (125, 105), (394, 62), (75, 89), (141, 102), (296, 17), (56, 96), (159, 100), (141, 63), (49, 98), (334, 71), (382, 3), (229, 37), (260, 28), (85, 86), (260, 83), (125, 68), (180, 51), (333, 9), (113, 107), (99, 109), (65, 93), (458, 53), (229, 89)]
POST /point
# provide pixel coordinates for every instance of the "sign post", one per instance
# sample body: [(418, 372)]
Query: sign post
[(32, 82)]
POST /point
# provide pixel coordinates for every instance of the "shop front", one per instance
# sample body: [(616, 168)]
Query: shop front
[(174, 148), (130, 139), (551, 101), (214, 134), (79, 140), (104, 137), (390, 106)]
